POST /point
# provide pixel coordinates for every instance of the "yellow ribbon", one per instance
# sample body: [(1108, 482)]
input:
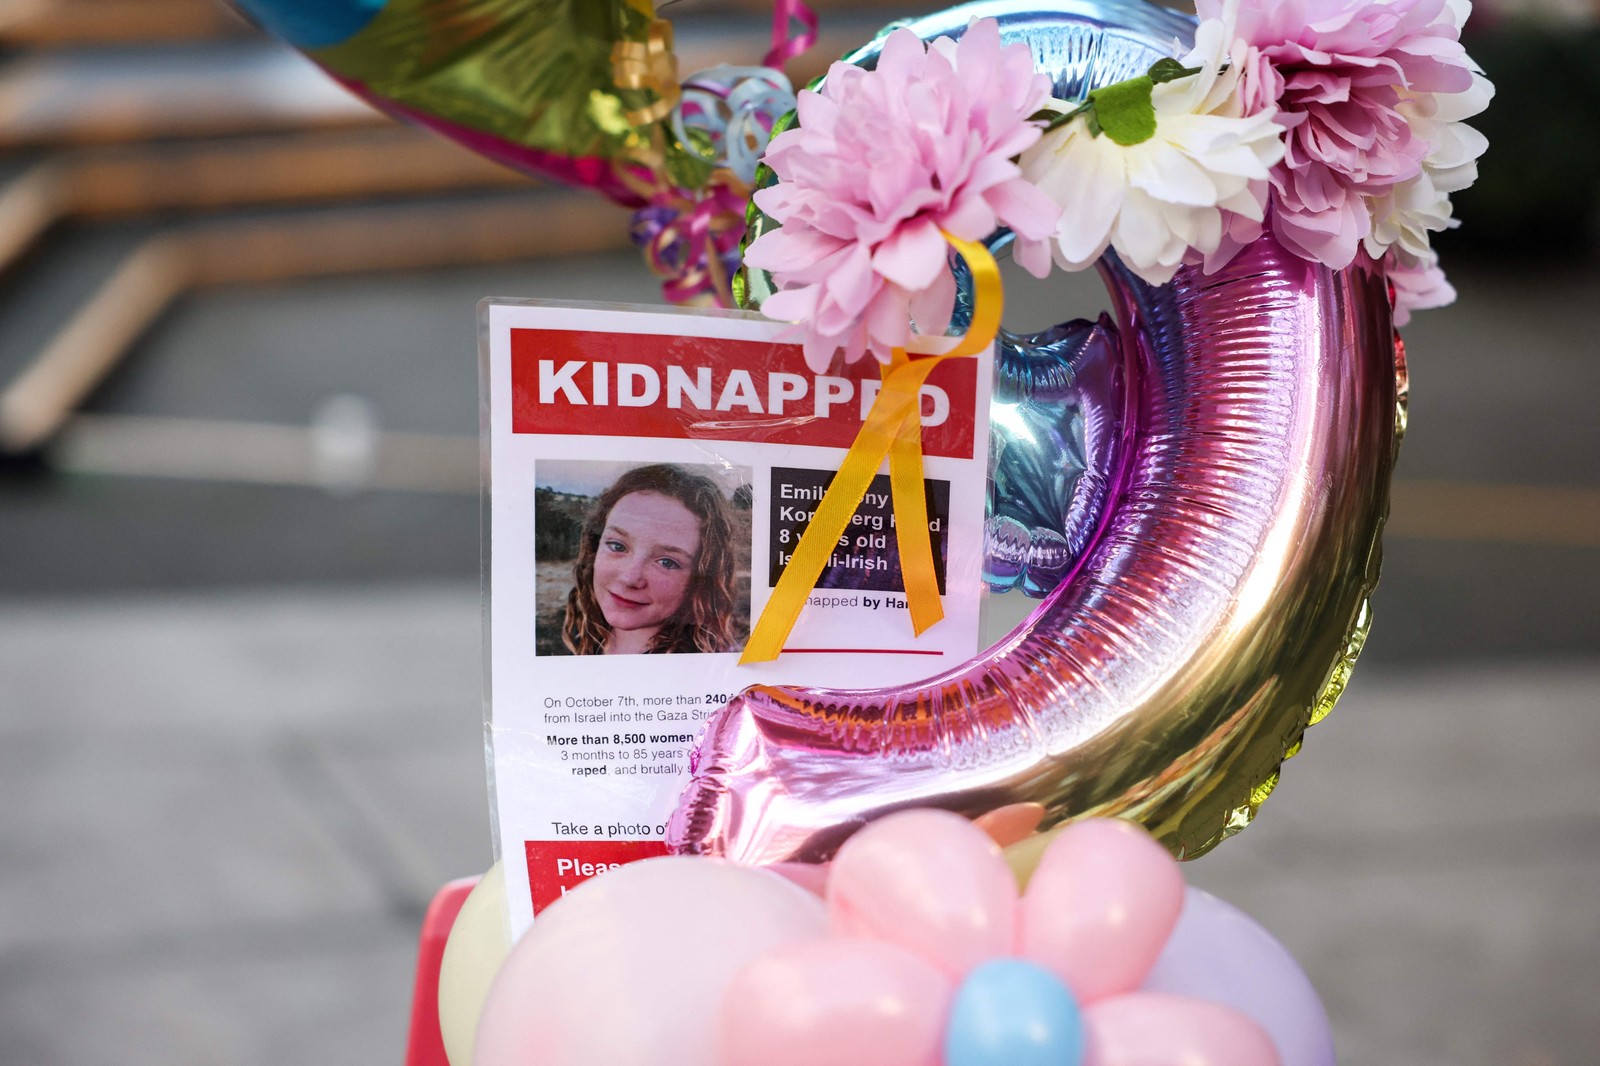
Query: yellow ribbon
[(894, 429)]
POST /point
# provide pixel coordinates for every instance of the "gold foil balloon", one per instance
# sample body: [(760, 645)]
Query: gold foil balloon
[(1215, 590), (557, 88), (585, 92)]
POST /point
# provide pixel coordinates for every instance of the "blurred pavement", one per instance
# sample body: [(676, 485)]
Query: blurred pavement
[(226, 812)]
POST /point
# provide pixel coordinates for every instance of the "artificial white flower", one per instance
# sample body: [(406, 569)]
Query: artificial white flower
[(1174, 196), (1403, 219)]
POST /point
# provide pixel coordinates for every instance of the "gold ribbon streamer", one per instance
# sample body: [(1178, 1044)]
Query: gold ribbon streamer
[(651, 65), (893, 429)]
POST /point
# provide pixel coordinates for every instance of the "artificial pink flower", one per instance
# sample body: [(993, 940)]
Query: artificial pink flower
[(881, 162), (1420, 286), (1339, 71), (922, 903)]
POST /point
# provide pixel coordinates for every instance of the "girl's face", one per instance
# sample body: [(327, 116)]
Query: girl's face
[(645, 561)]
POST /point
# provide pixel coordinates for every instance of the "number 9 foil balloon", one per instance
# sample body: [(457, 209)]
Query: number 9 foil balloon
[(1221, 458)]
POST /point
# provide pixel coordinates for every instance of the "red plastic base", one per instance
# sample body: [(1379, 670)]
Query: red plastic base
[(425, 1045)]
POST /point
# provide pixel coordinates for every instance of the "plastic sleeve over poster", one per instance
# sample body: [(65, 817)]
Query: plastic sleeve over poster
[(647, 474)]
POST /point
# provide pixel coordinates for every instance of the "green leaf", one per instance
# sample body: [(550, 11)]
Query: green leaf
[(1125, 111), (1165, 70)]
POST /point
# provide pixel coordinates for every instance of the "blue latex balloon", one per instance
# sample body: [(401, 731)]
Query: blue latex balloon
[(1012, 1012), (312, 23)]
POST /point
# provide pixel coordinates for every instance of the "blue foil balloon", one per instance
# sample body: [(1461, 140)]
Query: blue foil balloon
[(1005, 552), (1012, 1012), (1052, 455)]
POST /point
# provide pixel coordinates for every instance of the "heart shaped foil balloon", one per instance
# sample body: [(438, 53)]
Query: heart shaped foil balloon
[(1202, 483)]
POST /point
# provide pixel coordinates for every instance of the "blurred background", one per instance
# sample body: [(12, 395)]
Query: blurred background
[(240, 721)]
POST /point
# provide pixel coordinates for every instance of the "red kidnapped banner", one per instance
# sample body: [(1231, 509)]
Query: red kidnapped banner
[(554, 866), (574, 382)]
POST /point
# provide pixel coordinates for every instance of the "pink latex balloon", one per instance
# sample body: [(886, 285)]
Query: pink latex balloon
[(1150, 1028), (834, 1002), (628, 969), (1100, 907), (931, 881)]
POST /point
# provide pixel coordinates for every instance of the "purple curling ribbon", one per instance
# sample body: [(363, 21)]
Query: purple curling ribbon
[(693, 242)]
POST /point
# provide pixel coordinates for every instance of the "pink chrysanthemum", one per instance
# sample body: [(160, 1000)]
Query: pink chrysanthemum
[(881, 161), (1339, 71)]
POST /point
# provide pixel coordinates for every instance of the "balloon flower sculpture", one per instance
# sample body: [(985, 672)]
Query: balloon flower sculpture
[(919, 952)]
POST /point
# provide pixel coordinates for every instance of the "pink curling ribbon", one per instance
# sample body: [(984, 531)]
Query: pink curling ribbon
[(786, 43)]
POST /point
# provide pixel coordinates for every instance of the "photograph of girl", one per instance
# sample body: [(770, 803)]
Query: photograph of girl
[(656, 562)]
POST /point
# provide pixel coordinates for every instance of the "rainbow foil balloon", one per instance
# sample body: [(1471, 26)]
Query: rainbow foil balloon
[(1199, 485)]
